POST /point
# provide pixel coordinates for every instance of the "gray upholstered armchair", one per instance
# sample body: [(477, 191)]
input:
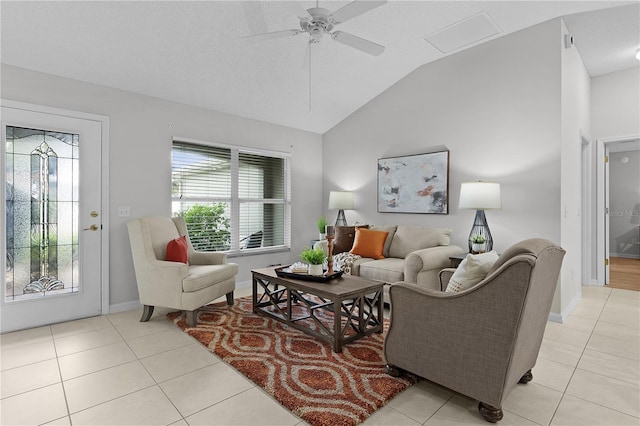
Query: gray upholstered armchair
[(482, 341), (176, 285)]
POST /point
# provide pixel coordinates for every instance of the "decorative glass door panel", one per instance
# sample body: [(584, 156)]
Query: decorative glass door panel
[(42, 213), (52, 216)]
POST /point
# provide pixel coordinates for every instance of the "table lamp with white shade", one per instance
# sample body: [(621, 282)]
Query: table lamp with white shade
[(341, 201), (480, 196)]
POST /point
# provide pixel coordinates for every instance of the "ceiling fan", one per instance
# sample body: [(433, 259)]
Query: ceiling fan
[(318, 22)]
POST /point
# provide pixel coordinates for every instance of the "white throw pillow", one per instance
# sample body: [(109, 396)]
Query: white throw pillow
[(471, 271)]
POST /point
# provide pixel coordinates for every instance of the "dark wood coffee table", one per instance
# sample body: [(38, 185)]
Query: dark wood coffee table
[(356, 304)]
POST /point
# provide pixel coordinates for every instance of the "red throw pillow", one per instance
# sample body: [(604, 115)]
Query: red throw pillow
[(177, 250), (369, 243)]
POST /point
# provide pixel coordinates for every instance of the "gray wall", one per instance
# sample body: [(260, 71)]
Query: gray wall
[(506, 114), (496, 107), (615, 104), (624, 204), (141, 132)]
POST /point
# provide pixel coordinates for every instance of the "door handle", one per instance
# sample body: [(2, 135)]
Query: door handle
[(93, 227)]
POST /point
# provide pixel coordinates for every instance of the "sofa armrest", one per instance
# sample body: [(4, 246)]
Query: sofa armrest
[(160, 283), (445, 275), (207, 258), (432, 258)]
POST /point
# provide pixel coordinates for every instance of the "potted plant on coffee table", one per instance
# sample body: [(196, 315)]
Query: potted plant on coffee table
[(477, 243), (315, 258)]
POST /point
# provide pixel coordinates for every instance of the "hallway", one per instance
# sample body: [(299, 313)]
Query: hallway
[(624, 273)]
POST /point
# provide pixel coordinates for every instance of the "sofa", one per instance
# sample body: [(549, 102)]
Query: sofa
[(413, 254)]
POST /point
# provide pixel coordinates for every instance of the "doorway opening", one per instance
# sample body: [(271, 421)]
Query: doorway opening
[(618, 212)]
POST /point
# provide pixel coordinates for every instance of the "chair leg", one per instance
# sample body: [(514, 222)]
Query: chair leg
[(191, 317), (490, 413), (146, 313), (230, 298), (526, 378), (393, 371)]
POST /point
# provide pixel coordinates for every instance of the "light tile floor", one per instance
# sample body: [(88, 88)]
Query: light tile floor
[(115, 370)]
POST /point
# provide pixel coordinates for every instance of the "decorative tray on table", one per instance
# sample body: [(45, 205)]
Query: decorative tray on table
[(286, 272)]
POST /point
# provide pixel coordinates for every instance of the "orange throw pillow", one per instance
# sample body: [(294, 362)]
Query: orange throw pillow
[(177, 250), (369, 243)]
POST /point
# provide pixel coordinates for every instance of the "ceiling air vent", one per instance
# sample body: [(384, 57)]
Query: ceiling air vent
[(463, 33)]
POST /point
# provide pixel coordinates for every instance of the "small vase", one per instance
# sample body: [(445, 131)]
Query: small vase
[(322, 236), (315, 270)]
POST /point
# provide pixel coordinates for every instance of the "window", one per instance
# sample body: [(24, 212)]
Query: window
[(41, 213), (233, 199)]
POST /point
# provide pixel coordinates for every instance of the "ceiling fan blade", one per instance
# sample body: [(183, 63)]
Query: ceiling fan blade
[(275, 34), (354, 9), (358, 43), (296, 9)]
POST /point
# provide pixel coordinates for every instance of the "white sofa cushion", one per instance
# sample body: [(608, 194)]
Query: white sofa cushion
[(201, 276), (388, 270)]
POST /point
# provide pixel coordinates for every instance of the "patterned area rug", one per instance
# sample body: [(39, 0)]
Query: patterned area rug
[(301, 372)]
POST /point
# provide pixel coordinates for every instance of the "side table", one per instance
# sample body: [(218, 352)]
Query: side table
[(456, 259)]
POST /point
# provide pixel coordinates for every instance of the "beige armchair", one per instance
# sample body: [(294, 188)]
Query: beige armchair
[(176, 285), (484, 340)]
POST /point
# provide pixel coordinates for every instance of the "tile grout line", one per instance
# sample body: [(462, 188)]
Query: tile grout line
[(435, 412), (212, 405), (564, 393), (138, 359), (151, 375), (64, 390)]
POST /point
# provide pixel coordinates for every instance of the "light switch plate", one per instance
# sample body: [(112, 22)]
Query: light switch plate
[(124, 211)]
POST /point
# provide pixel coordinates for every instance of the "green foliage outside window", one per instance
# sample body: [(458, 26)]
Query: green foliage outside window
[(208, 227)]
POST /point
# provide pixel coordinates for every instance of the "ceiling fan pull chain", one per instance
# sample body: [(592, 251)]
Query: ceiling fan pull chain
[(310, 44)]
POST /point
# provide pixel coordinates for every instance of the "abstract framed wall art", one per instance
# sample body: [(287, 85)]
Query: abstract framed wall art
[(414, 183)]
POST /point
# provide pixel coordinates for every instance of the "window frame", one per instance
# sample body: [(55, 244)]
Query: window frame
[(235, 200)]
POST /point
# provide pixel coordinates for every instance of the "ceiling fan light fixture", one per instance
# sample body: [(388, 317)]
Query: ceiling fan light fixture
[(318, 21)]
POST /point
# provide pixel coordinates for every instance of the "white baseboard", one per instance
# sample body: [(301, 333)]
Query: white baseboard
[(244, 284), (561, 318), (553, 317), (135, 304), (125, 306)]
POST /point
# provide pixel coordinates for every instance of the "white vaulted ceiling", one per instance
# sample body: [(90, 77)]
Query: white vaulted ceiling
[(195, 53)]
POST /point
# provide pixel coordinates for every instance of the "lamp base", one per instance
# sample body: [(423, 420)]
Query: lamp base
[(341, 220), (480, 227)]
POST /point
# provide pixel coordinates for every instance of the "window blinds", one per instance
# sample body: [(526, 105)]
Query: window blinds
[(233, 200)]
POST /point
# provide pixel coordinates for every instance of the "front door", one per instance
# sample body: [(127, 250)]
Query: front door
[(52, 218)]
